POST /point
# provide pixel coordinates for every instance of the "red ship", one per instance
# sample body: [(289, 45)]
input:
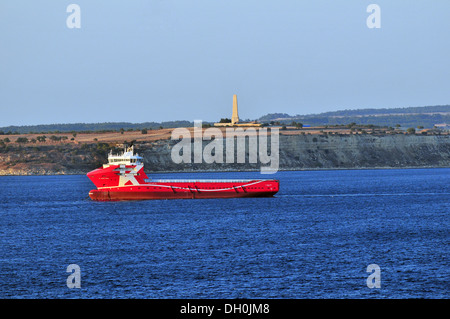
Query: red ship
[(123, 178)]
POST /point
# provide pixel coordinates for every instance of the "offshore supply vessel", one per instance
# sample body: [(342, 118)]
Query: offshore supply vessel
[(123, 178)]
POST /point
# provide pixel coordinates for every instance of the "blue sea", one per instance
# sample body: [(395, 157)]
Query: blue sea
[(315, 239)]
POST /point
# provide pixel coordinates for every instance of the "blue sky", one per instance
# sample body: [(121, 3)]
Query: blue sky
[(161, 60)]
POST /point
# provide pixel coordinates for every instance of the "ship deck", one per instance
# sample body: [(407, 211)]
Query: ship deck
[(201, 180)]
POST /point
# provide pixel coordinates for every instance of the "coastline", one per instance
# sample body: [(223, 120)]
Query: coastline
[(296, 153), (240, 170)]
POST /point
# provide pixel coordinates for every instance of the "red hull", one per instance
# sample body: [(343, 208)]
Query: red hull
[(192, 190), (123, 178)]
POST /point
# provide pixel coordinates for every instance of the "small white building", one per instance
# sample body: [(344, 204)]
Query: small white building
[(442, 127)]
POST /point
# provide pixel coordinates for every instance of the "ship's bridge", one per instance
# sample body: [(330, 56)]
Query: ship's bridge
[(126, 158)]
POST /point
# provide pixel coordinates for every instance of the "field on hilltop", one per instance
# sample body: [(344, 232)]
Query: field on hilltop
[(144, 136)]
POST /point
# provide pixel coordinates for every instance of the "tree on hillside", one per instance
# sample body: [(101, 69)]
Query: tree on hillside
[(22, 140), (297, 125)]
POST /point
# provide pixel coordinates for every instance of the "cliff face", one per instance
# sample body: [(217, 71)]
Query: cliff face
[(295, 152), (50, 159), (365, 151), (329, 152)]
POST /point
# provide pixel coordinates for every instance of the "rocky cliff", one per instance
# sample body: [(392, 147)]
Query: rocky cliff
[(329, 152), (296, 152)]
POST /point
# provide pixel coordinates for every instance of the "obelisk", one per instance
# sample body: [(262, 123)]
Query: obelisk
[(235, 116)]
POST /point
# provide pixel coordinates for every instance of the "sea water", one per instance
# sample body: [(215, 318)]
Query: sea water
[(315, 239)]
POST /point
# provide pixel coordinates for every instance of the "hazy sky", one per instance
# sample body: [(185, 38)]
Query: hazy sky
[(160, 60)]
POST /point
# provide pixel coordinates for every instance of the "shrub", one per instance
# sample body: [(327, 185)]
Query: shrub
[(22, 140)]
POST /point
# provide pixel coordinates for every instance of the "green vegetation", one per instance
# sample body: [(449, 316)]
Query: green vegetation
[(297, 125), (90, 127), (272, 116), (391, 111), (22, 140), (425, 117), (58, 138)]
